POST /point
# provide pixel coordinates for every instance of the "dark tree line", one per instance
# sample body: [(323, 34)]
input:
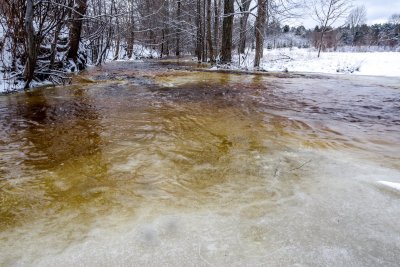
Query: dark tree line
[(385, 35)]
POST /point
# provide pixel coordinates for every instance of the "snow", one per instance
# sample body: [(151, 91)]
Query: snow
[(391, 185), (8, 84), (289, 59), (306, 60), (139, 52)]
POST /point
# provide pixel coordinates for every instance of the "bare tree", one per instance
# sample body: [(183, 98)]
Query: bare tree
[(31, 44), (260, 30), (217, 7), (131, 29), (227, 27), (209, 33), (357, 16), (178, 31), (118, 34), (395, 19), (199, 35), (76, 29), (327, 13), (244, 6)]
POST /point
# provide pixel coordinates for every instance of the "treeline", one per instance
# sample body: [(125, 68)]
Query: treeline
[(385, 36), (43, 39), (356, 33)]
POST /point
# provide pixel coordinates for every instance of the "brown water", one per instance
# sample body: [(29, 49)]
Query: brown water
[(132, 166)]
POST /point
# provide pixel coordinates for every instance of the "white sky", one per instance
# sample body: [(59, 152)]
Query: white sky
[(378, 11)]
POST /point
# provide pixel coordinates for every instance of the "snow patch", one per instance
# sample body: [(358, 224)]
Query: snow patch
[(307, 60), (391, 185)]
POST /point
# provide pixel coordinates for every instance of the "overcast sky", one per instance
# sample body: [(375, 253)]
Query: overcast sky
[(378, 11)]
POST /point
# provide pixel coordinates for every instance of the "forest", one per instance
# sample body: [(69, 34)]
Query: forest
[(43, 40)]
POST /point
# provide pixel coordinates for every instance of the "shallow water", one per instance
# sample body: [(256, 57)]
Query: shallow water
[(134, 165)]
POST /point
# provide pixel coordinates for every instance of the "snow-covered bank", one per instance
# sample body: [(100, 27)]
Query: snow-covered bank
[(306, 60), (292, 60), (11, 82)]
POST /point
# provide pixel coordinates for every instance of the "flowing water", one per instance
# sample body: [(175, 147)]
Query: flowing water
[(132, 165)]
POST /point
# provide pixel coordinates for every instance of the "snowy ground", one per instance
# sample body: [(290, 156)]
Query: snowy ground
[(294, 60), (306, 60), (9, 84)]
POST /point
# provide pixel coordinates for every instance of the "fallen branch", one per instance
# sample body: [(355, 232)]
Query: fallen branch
[(299, 167), (283, 57)]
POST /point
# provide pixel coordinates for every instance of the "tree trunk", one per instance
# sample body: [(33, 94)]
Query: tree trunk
[(216, 24), (260, 26), (328, 15), (199, 38), (178, 33), (243, 25), (226, 50), (321, 39), (116, 54), (165, 29), (320, 43), (76, 29), (162, 43), (54, 46), (131, 33), (129, 48), (108, 38), (31, 44), (104, 49), (203, 33), (209, 34)]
